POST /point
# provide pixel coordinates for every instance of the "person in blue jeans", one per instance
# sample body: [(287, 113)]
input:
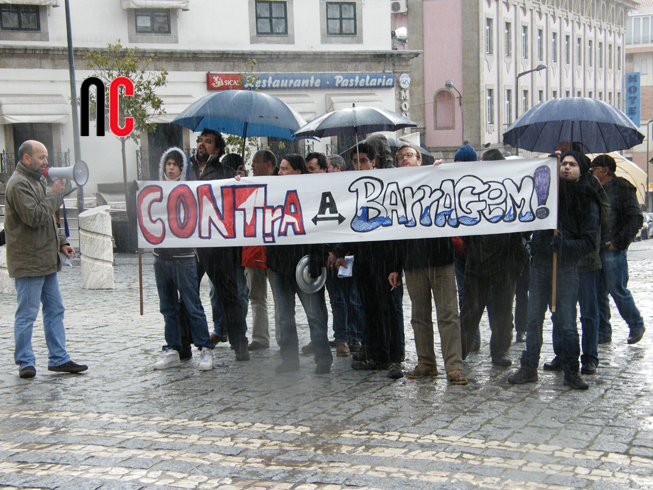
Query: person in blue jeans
[(282, 260), (578, 227), (175, 272), (34, 247), (624, 222)]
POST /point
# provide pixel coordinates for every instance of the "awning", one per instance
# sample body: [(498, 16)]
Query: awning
[(34, 109), (302, 103), (52, 3), (155, 4), (173, 105), (341, 101)]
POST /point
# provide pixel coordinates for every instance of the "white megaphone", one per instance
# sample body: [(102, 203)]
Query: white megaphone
[(78, 173)]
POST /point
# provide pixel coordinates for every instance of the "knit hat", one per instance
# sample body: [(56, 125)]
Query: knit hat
[(583, 162), (466, 154)]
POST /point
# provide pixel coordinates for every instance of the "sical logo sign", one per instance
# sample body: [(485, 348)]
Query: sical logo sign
[(223, 81), (114, 106)]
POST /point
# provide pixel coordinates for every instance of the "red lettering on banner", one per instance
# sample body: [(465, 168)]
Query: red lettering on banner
[(182, 211), (292, 215), (114, 109), (248, 200), (153, 230), (223, 81), (210, 214)]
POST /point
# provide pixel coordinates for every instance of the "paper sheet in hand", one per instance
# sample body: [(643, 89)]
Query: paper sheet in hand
[(349, 262)]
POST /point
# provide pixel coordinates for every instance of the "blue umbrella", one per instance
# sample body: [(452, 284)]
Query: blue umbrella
[(243, 113), (598, 126)]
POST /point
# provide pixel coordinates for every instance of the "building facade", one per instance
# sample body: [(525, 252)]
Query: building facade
[(202, 44), (490, 50)]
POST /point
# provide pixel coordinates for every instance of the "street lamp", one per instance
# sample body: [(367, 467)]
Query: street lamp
[(449, 85), (539, 67)]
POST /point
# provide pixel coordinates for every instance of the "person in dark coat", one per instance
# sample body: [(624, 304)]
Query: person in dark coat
[(578, 226), (282, 260), (624, 223)]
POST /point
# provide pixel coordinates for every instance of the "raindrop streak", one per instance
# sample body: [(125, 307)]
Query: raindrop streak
[(542, 177)]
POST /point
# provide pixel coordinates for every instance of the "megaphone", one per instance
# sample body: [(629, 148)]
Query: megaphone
[(78, 173), (308, 284)]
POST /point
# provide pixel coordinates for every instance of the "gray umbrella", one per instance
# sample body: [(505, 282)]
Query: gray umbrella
[(598, 126)]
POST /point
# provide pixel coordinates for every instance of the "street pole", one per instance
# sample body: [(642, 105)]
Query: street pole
[(73, 102), (519, 75), (449, 84), (648, 162)]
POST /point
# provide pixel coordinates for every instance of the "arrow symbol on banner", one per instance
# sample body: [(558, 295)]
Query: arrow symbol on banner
[(327, 217)]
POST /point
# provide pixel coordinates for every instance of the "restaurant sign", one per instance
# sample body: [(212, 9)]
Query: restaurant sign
[(221, 81)]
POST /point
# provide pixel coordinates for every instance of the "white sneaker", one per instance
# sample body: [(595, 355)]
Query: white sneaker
[(206, 359), (169, 359)]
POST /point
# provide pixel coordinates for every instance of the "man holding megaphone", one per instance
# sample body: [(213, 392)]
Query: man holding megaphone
[(33, 247)]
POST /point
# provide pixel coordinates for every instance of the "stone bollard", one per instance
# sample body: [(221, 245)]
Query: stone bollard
[(96, 247), (6, 283)]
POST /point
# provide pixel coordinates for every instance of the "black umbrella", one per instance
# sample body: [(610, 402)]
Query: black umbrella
[(600, 127), (395, 144)]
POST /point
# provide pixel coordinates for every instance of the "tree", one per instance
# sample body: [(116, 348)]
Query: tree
[(118, 61)]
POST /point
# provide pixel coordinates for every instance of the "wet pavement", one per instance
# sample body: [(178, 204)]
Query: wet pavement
[(123, 425)]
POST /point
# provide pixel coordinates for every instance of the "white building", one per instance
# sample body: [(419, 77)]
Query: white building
[(192, 38)]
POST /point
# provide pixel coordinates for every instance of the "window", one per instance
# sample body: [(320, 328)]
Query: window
[(554, 94), (590, 94), (579, 94), (540, 96), (524, 42), (590, 53), (600, 95), (540, 45), (600, 55), (508, 106), (524, 101), (579, 51), (152, 21), (567, 49), (554, 47), (610, 56), (618, 57), (20, 18), (444, 110), (490, 107), (271, 18), (619, 100), (567, 93), (610, 98), (507, 40), (489, 28), (341, 18)]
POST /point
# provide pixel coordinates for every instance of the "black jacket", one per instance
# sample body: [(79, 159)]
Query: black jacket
[(283, 259), (422, 253), (578, 224), (625, 215), (490, 255)]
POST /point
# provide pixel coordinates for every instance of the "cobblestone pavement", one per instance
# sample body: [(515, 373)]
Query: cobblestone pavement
[(123, 425)]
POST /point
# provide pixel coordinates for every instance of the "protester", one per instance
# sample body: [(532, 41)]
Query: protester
[(175, 271), (264, 163), (283, 260), (578, 226), (34, 254), (335, 163), (220, 263), (493, 265), (624, 222), (373, 263), (316, 163), (428, 265)]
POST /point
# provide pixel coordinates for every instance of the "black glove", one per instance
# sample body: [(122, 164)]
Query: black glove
[(556, 243), (314, 267)]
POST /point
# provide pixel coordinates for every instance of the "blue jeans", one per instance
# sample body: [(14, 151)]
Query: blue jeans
[(588, 300), (180, 275), (614, 281), (565, 331), (32, 292), (346, 308), (285, 288)]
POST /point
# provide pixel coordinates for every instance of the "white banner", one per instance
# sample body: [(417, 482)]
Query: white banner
[(454, 199)]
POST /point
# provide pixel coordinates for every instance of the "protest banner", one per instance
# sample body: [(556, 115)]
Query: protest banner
[(456, 199)]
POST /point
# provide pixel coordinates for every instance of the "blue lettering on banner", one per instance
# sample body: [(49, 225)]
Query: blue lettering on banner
[(633, 97), (325, 80)]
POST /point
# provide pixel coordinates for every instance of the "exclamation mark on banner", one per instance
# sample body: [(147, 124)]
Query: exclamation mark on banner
[(542, 177)]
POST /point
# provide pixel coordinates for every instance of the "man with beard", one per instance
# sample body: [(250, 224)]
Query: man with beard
[(219, 263)]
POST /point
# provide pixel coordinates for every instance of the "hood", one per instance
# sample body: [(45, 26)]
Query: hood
[(184, 169)]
